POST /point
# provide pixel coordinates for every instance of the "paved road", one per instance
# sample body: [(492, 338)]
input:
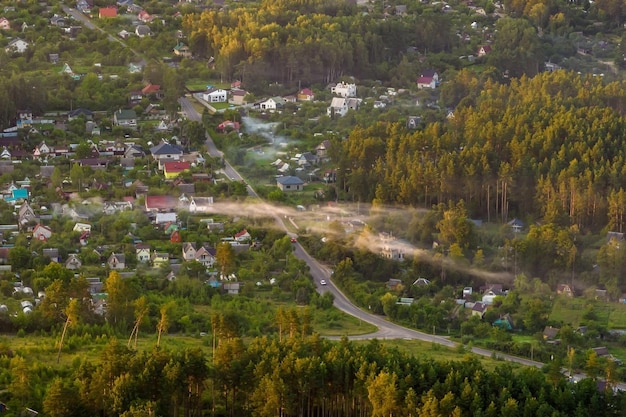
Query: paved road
[(192, 114)]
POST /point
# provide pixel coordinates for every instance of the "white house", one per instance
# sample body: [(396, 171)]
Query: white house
[(339, 106), (82, 227), (206, 256), (344, 90), (215, 95), (41, 232), (200, 204), (272, 103), (17, 45), (142, 252), (189, 251)]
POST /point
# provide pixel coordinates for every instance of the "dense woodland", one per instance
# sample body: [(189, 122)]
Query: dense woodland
[(300, 375)]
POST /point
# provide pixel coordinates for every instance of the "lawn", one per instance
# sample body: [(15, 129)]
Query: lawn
[(196, 84)]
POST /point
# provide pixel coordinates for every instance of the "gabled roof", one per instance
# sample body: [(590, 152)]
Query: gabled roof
[(110, 11), (125, 114), (290, 180), (80, 111), (550, 332), (119, 257), (244, 232), (176, 166), (151, 89), (479, 307), (161, 202)]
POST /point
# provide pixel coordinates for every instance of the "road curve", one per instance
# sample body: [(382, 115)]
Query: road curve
[(386, 329)]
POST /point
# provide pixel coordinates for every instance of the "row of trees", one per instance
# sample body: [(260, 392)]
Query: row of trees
[(310, 377)]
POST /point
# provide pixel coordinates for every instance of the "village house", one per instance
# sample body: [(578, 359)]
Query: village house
[(479, 309), (306, 95), (117, 261), (483, 50), (550, 333), (238, 97), (107, 12), (142, 251), (206, 256), (52, 253), (73, 262), (152, 90), (290, 183), (160, 258), (565, 289), (173, 169), (231, 288), (215, 95), (339, 106), (17, 45), (200, 204), (166, 151), (243, 236), (228, 126), (428, 79), (272, 103), (145, 17), (41, 232), (189, 251), (5, 24), (125, 118), (160, 203), (344, 90), (182, 50)]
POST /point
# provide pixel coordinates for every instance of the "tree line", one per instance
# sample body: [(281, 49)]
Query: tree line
[(310, 376)]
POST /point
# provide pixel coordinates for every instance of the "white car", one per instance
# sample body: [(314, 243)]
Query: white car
[(323, 282)]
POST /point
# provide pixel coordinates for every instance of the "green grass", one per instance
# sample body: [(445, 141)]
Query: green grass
[(196, 84), (568, 311), (335, 323), (435, 352), (571, 311), (220, 106), (617, 316)]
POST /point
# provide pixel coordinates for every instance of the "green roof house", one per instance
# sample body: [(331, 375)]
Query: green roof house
[(125, 118)]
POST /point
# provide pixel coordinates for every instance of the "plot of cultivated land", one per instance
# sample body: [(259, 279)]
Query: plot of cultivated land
[(612, 315)]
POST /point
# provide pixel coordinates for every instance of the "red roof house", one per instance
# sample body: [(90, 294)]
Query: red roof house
[(228, 125), (161, 202), (483, 50), (145, 16), (151, 89), (306, 95), (110, 11), (172, 169)]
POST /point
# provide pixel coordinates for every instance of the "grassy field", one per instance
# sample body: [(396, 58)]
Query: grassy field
[(427, 350), (338, 324), (571, 311)]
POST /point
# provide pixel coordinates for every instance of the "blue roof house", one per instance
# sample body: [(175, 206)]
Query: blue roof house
[(290, 183)]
